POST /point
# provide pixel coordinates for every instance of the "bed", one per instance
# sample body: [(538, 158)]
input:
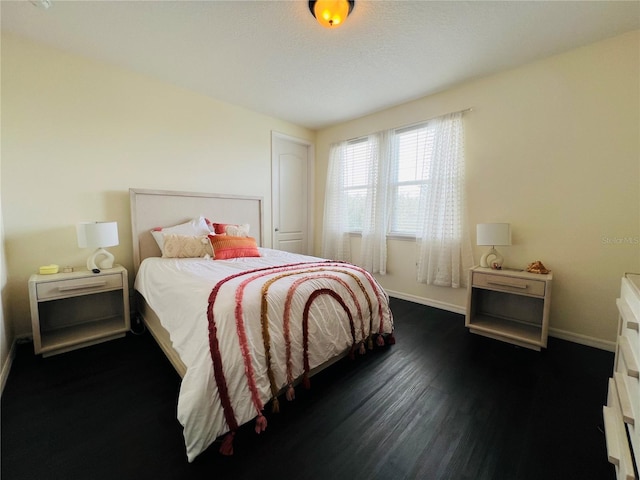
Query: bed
[(247, 325)]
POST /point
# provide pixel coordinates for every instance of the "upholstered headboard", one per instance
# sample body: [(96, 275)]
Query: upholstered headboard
[(164, 208)]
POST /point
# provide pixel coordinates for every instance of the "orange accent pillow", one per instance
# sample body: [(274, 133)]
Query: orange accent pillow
[(235, 230), (219, 228), (226, 247)]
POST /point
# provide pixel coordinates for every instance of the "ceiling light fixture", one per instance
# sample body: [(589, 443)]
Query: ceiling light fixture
[(331, 13), (44, 4)]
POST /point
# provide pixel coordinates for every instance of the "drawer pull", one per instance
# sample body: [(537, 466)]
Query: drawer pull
[(627, 314), (624, 398), (629, 358), (70, 288), (510, 285)]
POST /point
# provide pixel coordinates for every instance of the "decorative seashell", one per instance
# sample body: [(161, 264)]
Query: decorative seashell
[(537, 267)]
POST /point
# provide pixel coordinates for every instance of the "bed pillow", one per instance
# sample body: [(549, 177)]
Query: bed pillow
[(186, 246), (235, 230), (197, 226), (226, 247)]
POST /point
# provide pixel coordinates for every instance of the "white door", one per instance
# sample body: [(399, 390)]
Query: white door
[(292, 190)]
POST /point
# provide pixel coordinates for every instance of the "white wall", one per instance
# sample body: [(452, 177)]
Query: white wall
[(553, 148), (77, 134)]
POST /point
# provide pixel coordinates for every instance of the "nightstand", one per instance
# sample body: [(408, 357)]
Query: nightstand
[(78, 309), (509, 305)]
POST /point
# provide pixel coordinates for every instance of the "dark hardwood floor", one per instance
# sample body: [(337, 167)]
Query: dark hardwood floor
[(440, 404)]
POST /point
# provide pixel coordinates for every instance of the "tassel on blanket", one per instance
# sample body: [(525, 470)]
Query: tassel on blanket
[(227, 444), (291, 393), (352, 352), (362, 350), (380, 341), (370, 342), (275, 405), (391, 340), (261, 423), (305, 381)]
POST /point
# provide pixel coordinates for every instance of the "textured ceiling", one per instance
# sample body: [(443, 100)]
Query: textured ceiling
[(273, 57)]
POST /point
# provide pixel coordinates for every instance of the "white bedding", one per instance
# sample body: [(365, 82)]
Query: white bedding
[(178, 290)]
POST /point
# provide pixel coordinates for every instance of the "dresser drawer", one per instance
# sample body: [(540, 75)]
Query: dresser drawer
[(77, 286), (505, 283), (627, 390), (630, 296), (628, 319), (618, 448), (627, 357)]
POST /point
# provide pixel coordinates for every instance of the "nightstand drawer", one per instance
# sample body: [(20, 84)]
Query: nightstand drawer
[(505, 283), (77, 286)]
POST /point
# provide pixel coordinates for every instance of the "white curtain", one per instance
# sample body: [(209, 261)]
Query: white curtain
[(444, 247), (373, 256), (336, 236), (336, 244)]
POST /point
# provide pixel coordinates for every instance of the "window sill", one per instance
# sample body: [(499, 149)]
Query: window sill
[(390, 236), (401, 237)]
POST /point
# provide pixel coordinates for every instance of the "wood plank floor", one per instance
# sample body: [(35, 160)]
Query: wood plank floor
[(440, 404)]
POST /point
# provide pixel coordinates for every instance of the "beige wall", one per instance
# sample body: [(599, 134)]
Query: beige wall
[(6, 332), (553, 148), (77, 134)]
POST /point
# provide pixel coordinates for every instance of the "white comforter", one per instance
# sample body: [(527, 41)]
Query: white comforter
[(178, 290)]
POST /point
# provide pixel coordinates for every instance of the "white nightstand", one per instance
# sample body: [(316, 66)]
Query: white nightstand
[(509, 305), (77, 309)]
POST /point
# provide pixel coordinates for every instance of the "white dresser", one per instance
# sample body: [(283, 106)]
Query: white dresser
[(622, 412)]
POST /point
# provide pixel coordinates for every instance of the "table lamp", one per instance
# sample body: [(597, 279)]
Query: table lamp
[(493, 234), (98, 235)]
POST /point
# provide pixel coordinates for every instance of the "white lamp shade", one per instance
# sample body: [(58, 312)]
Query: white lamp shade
[(97, 234), (493, 234)]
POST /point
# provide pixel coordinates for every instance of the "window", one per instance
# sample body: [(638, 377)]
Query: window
[(407, 181), (410, 154), (357, 180), (410, 150)]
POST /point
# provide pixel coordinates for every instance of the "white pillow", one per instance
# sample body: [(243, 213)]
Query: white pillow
[(196, 227), (237, 230)]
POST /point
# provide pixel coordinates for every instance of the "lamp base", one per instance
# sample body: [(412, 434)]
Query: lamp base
[(492, 259), (94, 264)]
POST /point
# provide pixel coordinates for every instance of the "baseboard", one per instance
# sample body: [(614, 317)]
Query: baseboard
[(553, 332), (583, 339), (450, 307), (6, 368)]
